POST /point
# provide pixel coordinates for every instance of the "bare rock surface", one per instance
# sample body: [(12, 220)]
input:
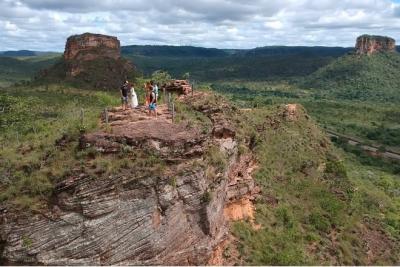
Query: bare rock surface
[(370, 44), (90, 46), (179, 86), (90, 60), (174, 217)]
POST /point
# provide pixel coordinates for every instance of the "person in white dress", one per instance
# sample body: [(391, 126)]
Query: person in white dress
[(134, 102)]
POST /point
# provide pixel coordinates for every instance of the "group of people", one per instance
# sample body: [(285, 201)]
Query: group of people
[(129, 97)]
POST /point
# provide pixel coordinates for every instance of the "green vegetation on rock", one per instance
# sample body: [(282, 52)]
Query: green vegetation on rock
[(314, 207), (354, 77)]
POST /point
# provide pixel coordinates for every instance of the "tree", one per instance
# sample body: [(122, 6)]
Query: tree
[(382, 149), (186, 76), (161, 76)]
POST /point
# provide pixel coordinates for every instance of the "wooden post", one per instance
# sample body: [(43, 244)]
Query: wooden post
[(81, 116), (192, 88), (169, 101), (173, 112), (106, 115)]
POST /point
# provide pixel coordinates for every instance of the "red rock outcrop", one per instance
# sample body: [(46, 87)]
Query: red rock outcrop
[(90, 61), (370, 44), (179, 86), (90, 46)]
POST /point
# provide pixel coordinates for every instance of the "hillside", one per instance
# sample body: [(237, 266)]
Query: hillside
[(94, 193), (25, 53), (209, 64), (374, 77), (203, 64), (299, 50), (233, 67), (23, 69), (171, 51)]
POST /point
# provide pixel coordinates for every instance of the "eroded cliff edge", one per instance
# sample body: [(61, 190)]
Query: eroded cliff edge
[(162, 202)]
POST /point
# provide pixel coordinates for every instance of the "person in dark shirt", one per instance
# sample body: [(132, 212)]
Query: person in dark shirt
[(124, 95)]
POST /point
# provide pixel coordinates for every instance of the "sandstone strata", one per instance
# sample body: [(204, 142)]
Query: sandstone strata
[(92, 61), (369, 44), (91, 46), (175, 217), (179, 86)]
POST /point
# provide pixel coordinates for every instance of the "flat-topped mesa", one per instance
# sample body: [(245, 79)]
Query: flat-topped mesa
[(89, 46), (370, 44), (90, 61)]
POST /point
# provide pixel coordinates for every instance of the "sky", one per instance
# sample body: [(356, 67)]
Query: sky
[(44, 25)]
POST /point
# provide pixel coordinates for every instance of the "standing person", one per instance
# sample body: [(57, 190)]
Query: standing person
[(129, 88), (147, 88), (134, 98), (124, 95), (164, 88), (153, 104), (155, 89)]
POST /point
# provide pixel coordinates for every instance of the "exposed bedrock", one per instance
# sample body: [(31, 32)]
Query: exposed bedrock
[(132, 218)]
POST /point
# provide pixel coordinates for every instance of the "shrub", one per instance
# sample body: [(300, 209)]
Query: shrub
[(337, 168), (206, 197), (216, 158), (319, 222), (283, 216)]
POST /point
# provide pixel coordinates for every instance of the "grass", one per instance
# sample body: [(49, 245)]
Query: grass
[(338, 200), (322, 201), (34, 120), (194, 119), (369, 120)]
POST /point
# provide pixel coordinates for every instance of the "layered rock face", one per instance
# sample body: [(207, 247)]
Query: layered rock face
[(91, 46), (179, 86), (92, 61), (369, 44), (173, 217)]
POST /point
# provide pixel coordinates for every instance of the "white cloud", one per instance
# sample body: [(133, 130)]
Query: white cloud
[(45, 24)]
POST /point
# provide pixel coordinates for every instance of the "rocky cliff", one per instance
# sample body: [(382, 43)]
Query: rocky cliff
[(90, 60), (370, 44), (91, 46), (164, 205)]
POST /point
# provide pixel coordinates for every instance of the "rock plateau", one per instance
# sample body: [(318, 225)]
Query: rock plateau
[(370, 44), (92, 61)]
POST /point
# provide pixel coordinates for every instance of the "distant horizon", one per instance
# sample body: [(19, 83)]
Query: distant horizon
[(62, 51)]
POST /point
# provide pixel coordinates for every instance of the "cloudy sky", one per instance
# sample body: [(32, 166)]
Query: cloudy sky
[(45, 24)]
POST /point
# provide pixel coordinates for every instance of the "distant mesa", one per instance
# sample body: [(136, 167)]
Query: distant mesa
[(90, 46), (370, 44), (92, 61)]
